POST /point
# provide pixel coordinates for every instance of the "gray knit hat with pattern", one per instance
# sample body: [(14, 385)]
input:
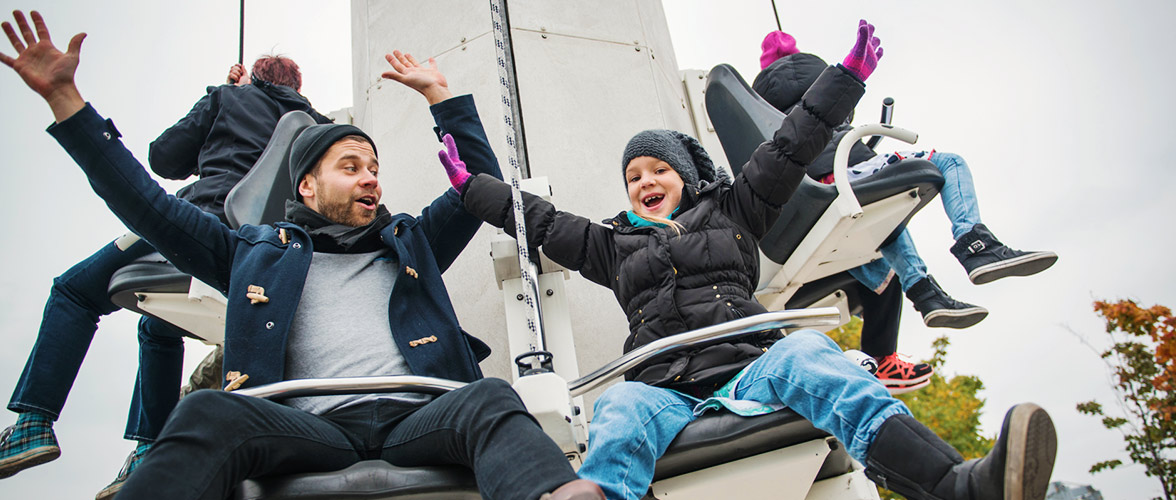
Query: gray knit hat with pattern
[(683, 153)]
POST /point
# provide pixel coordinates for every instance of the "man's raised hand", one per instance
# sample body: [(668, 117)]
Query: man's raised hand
[(427, 80), (46, 70)]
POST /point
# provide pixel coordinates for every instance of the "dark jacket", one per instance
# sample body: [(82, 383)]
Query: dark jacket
[(231, 261), (668, 283), (221, 138), (782, 84)]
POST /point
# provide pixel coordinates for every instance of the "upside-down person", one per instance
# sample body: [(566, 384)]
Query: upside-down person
[(348, 289), (685, 256)]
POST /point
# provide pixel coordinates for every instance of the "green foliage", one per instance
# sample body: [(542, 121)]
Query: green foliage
[(949, 407), (1141, 361)]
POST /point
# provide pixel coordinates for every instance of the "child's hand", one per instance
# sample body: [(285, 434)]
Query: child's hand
[(866, 52), (454, 167)]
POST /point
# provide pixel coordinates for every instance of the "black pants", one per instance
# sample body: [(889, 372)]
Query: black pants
[(214, 440), (880, 316)]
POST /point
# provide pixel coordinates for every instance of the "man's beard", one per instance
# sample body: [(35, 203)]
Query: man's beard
[(344, 210)]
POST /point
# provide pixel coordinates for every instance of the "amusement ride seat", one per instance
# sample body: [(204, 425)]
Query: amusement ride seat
[(152, 286), (823, 229)]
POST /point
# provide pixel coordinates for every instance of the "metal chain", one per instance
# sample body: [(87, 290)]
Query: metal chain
[(530, 285)]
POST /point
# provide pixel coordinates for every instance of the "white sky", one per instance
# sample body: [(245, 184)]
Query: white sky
[(1059, 107)]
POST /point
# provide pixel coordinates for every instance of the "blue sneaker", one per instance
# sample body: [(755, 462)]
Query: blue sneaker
[(129, 466), (29, 442)]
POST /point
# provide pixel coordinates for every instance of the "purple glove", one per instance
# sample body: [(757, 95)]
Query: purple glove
[(454, 167), (866, 52)]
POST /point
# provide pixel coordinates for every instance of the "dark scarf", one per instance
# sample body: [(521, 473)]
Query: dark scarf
[(331, 237)]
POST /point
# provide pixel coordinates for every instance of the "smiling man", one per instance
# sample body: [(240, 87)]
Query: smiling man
[(341, 288)]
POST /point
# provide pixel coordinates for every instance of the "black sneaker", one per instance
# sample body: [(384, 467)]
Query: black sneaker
[(986, 259), (939, 310)]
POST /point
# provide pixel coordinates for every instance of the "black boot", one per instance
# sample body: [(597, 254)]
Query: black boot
[(906, 457), (939, 310), (986, 259)]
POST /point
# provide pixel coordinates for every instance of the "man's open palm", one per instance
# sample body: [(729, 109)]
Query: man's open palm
[(43, 68)]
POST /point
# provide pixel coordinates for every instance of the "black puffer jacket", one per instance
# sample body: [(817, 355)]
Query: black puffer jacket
[(668, 283), (222, 137), (782, 84)]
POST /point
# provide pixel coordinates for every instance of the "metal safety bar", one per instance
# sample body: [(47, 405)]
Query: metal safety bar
[(802, 318), (351, 385)]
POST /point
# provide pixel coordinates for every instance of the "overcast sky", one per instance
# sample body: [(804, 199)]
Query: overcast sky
[(1060, 108)]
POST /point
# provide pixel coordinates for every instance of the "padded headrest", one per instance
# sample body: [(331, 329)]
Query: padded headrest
[(260, 197)]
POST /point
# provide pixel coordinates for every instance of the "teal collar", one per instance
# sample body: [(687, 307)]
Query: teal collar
[(637, 221)]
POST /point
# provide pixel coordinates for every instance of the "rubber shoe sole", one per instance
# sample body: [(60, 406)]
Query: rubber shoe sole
[(1031, 448), (1025, 265), (955, 318), (903, 389), (900, 382), (110, 491), (28, 459)]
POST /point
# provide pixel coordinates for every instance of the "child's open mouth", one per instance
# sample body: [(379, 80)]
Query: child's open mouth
[(652, 201)]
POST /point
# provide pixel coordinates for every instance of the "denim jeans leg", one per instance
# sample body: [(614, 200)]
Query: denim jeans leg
[(483, 426), (807, 372), (217, 439), (76, 301), (632, 425), (872, 274), (157, 385), (958, 194), (901, 254)]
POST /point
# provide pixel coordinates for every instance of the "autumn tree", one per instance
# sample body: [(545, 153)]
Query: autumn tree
[(949, 407), (1143, 375)]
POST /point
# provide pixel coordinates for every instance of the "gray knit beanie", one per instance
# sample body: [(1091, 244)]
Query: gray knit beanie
[(313, 143), (683, 153)]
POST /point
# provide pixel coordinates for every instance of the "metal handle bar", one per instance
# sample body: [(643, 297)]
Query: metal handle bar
[(887, 117), (823, 316), (845, 197)]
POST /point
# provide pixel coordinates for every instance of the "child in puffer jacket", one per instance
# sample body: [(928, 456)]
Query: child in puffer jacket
[(685, 257)]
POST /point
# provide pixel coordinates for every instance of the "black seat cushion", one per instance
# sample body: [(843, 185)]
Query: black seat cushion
[(812, 199), (370, 479), (719, 437), (150, 273), (741, 118)]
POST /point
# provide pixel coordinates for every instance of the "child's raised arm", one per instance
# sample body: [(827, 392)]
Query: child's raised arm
[(777, 166)]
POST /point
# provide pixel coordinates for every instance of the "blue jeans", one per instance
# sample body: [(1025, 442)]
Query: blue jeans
[(76, 302), (961, 206), (634, 423)]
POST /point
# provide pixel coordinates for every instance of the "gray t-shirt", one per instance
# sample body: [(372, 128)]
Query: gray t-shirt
[(341, 327)]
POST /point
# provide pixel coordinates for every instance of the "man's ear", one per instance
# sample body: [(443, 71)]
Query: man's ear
[(306, 188)]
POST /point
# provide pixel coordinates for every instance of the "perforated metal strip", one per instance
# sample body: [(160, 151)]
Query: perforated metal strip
[(506, 84)]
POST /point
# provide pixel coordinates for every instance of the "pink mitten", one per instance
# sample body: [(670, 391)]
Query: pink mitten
[(866, 52), (454, 167)]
